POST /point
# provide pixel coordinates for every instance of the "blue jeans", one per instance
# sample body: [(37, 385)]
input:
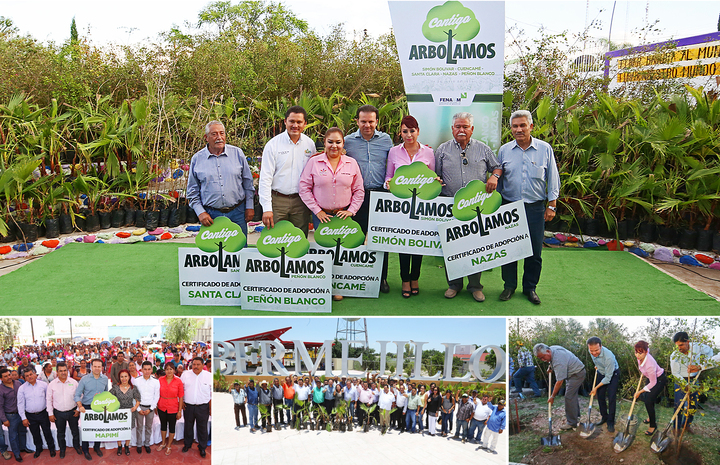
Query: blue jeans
[(411, 420), (692, 399), (480, 427), (290, 411), (526, 373), (17, 433), (3, 445), (535, 213), (253, 411), (462, 428), (447, 423), (237, 216)]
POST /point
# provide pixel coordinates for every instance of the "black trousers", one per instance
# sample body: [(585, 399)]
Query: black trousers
[(196, 413), (62, 421), (410, 266), (609, 390), (277, 411), (86, 444), (362, 217), (37, 421)]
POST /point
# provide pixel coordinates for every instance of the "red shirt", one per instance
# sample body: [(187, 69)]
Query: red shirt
[(169, 394)]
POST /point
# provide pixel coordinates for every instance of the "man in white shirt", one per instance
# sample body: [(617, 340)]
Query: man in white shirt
[(689, 360), (482, 413), (149, 388), (283, 160), (386, 400), (401, 404), (198, 384)]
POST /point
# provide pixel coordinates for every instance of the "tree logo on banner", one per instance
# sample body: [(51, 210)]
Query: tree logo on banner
[(472, 201), (446, 22), (339, 232), (281, 241), (221, 236), (413, 181)]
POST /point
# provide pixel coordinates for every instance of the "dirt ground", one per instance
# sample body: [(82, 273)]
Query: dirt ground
[(598, 448)]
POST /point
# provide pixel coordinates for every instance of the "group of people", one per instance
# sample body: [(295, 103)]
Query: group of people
[(400, 404), (297, 183), (568, 369), (55, 384)]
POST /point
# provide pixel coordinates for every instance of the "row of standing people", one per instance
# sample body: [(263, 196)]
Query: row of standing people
[(294, 183)]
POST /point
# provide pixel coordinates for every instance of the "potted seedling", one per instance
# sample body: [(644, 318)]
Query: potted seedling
[(265, 416), (368, 416)]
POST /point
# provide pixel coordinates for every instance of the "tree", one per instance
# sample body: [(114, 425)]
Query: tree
[(73, 33), (339, 232), (9, 327), (491, 358), (413, 181), (50, 325), (181, 329)]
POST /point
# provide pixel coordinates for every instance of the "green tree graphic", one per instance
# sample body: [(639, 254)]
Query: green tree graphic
[(284, 239), (471, 201), (339, 232), (223, 234), (415, 180)]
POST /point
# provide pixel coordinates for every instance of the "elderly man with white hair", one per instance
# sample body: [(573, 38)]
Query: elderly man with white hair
[(458, 162), (568, 368), (530, 174), (220, 182)]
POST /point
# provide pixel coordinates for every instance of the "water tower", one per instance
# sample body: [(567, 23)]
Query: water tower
[(352, 329)]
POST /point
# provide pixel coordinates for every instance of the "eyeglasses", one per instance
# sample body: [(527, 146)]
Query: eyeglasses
[(464, 158)]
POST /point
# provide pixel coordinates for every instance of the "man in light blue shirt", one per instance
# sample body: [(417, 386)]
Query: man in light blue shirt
[(32, 408), (607, 367), (220, 182), (530, 174), (89, 386), (370, 147), (495, 425)]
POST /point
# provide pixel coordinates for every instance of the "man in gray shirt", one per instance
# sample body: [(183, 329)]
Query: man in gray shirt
[(567, 367), (458, 162)]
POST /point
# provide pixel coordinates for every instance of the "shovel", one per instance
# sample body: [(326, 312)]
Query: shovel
[(660, 440), (587, 429), (624, 438), (550, 440)]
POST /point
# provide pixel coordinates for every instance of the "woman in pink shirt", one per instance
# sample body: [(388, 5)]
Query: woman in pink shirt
[(657, 379), (331, 183), (406, 153)]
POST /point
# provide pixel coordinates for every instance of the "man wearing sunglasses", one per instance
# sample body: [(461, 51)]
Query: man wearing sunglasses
[(458, 162)]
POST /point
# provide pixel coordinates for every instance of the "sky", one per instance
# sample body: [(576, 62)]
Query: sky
[(435, 331), (134, 21), (63, 323)]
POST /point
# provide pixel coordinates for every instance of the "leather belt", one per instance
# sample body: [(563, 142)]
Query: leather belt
[(225, 210), (334, 211), (289, 196)]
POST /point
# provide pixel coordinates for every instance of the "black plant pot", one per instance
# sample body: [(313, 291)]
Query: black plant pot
[(66, 226), (10, 234), (79, 223), (704, 240), (173, 218), (92, 223), (667, 236), (688, 239), (28, 232), (622, 230), (52, 228), (716, 242), (592, 227), (164, 216), (632, 228), (152, 218), (647, 232), (105, 220), (182, 213), (41, 230), (552, 225), (140, 221), (118, 218), (577, 225), (191, 216)]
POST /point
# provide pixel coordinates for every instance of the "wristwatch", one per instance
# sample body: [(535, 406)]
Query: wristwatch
[(552, 208)]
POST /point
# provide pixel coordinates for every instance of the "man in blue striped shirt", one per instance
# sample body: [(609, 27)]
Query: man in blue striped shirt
[(607, 367), (530, 174), (89, 386), (220, 182)]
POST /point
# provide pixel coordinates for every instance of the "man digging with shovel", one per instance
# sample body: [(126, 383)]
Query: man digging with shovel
[(607, 366), (567, 367)]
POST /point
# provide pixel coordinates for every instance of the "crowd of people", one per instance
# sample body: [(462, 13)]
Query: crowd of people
[(685, 365), (390, 404), (46, 384), (299, 185)]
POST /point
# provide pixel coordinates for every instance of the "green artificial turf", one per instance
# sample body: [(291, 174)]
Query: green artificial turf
[(142, 279)]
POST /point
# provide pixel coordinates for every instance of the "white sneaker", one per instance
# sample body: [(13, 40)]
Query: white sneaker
[(237, 428)]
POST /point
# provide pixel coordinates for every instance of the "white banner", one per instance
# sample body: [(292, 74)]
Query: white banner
[(286, 284), (106, 426), (356, 272), (493, 240), (209, 278), (406, 226), (452, 60)]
